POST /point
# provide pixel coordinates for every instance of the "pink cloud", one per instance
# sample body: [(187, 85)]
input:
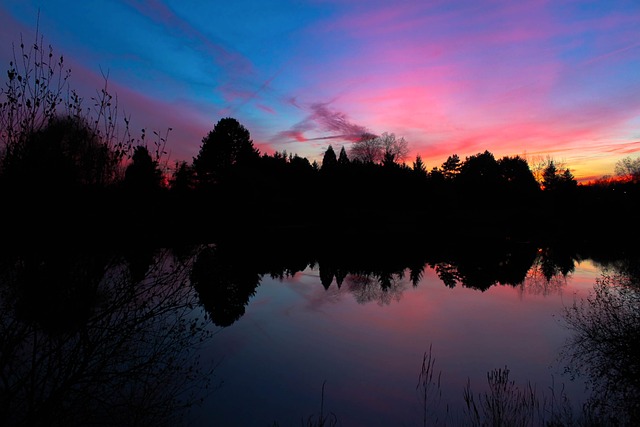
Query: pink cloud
[(322, 119), (293, 134), (458, 78), (522, 102)]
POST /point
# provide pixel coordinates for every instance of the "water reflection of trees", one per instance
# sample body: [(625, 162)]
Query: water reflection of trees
[(485, 264), (384, 290), (225, 280), (549, 272), (87, 338), (227, 274), (537, 283), (604, 347)]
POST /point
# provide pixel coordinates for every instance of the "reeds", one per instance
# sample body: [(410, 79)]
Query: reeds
[(321, 419), (429, 390)]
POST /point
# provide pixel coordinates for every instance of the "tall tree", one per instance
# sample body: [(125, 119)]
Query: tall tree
[(419, 166), (550, 176), (183, 177), (329, 160), (556, 180), (451, 167), (144, 173), (343, 159), (226, 147), (517, 176), (479, 172)]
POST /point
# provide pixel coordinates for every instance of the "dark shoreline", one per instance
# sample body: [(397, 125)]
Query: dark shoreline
[(168, 220)]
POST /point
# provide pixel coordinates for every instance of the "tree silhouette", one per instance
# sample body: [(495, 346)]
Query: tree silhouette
[(628, 169), (37, 98), (227, 146), (606, 327), (437, 177), (224, 282), (329, 160), (419, 167), (64, 154), (517, 178), (343, 159), (554, 180), (183, 178), (56, 291), (326, 273), (479, 177), (550, 177), (375, 149), (143, 174), (451, 167), (555, 261), (37, 87), (395, 149), (83, 345), (368, 150)]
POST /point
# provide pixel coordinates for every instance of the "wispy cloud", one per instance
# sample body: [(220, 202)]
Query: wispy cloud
[(163, 15), (330, 123), (451, 77)]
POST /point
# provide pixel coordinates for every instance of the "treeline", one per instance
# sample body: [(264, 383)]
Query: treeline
[(64, 175), (70, 169)]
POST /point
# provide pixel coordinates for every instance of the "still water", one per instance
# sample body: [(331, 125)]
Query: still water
[(218, 336), (366, 345)]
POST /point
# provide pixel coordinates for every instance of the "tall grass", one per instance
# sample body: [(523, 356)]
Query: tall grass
[(429, 390)]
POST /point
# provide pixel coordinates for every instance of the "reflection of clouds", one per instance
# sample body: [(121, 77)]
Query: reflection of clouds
[(333, 295), (320, 297), (307, 285)]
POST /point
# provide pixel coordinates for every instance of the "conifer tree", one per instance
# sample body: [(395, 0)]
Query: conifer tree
[(343, 159), (227, 146), (329, 160)]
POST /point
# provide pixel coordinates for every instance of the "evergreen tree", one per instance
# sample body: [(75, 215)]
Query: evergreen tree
[(329, 160), (451, 167), (558, 181), (419, 166), (343, 159), (143, 174), (183, 177), (226, 147), (550, 177)]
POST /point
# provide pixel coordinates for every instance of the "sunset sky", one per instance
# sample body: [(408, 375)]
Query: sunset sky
[(533, 78)]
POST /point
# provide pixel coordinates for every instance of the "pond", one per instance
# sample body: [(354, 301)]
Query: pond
[(365, 346), (258, 335)]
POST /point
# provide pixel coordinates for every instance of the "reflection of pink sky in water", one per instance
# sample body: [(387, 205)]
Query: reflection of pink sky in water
[(295, 335)]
